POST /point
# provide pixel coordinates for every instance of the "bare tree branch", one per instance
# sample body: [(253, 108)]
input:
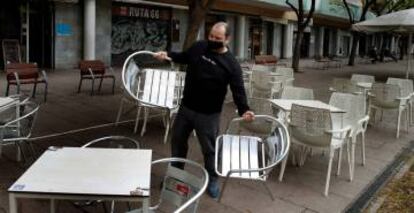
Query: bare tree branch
[(293, 8), (348, 10), (310, 14)]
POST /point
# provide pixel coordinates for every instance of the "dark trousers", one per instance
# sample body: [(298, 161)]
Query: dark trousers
[(206, 127)]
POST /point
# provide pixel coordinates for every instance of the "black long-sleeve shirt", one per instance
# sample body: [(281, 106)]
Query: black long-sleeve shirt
[(208, 75)]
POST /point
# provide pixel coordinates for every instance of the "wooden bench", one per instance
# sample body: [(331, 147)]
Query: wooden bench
[(94, 69), (265, 59), (25, 73)]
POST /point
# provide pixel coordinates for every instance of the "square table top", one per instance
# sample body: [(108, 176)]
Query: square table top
[(286, 104), (88, 171)]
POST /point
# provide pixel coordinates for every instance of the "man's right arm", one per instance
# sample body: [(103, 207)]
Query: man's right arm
[(180, 57)]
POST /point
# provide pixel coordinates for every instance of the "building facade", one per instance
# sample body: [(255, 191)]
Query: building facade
[(110, 30)]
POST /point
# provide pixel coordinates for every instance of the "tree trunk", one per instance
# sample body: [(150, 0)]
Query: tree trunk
[(296, 52), (353, 54), (197, 16)]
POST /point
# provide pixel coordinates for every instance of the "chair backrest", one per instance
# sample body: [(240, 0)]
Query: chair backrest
[(263, 83), (260, 106), (96, 66), (182, 188), (363, 78), (353, 105), (23, 70), (309, 125), (113, 141), (288, 72), (345, 85), (263, 68), (297, 93), (385, 95), (22, 126), (406, 85), (152, 86)]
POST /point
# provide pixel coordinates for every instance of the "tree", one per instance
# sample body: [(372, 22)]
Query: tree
[(352, 20), (302, 23), (198, 10)]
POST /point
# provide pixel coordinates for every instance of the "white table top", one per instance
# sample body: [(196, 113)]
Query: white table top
[(88, 171), (286, 104)]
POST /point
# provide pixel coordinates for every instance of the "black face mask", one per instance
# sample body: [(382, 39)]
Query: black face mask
[(214, 45)]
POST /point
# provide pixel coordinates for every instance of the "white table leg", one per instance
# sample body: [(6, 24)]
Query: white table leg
[(12, 203), (145, 205)]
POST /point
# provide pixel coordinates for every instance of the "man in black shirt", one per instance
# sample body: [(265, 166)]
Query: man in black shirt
[(211, 68)]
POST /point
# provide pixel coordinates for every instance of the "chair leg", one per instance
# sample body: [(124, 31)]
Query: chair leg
[(137, 119), (118, 116), (363, 148), (354, 141), (328, 175), (80, 85), (338, 171), (282, 168), (113, 85), (167, 128), (34, 90), (7, 89), (349, 159), (100, 85), (144, 125), (268, 190), (112, 206), (222, 189), (93, 86), (46, 89), (398, 123)]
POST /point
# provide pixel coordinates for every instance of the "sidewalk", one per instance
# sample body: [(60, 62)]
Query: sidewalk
[(301, 189)]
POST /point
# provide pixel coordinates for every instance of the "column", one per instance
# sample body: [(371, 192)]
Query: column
[(89, 30), (288, 42), (319, 46), (240, 37), (277, 40)]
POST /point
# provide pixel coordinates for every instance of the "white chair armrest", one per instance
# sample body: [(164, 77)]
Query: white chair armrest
[(364, 122)]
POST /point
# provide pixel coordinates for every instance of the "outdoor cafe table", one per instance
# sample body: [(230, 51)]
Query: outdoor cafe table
[(71, 173), (286, 105)]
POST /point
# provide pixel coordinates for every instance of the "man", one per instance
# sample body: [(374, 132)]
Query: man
[(211, 68)]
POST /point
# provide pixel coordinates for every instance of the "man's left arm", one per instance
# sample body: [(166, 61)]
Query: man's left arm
[(239, 93)]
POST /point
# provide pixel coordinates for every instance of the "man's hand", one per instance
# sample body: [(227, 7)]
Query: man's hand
[(248, 116), (162, 56)]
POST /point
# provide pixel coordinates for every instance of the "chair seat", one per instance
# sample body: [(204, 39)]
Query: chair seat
[(240, 152)]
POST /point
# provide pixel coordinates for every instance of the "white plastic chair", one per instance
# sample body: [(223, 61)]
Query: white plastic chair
[(312, 128), (180, 188), (355, 107), (388, 96), (297, 93), (264, 84), (407, 90), (287, 74), (250, 150), (151, 88), (345, 85)]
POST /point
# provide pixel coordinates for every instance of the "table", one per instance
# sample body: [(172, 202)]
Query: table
[(286, 105), (365, 85), (86, 174)]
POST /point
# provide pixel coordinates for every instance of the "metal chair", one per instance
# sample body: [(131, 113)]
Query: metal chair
[(250, 150), (355, 107), (312, 128), (287, 74), (388, 96), (19, 129), (93, 70), (151, 88), (114, 141), (407, 90), (180, 188), (363, 78)]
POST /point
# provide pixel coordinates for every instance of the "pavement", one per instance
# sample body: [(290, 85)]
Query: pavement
[(300, 191)]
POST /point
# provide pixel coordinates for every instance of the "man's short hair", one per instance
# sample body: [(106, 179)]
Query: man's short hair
[(222, 24)]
